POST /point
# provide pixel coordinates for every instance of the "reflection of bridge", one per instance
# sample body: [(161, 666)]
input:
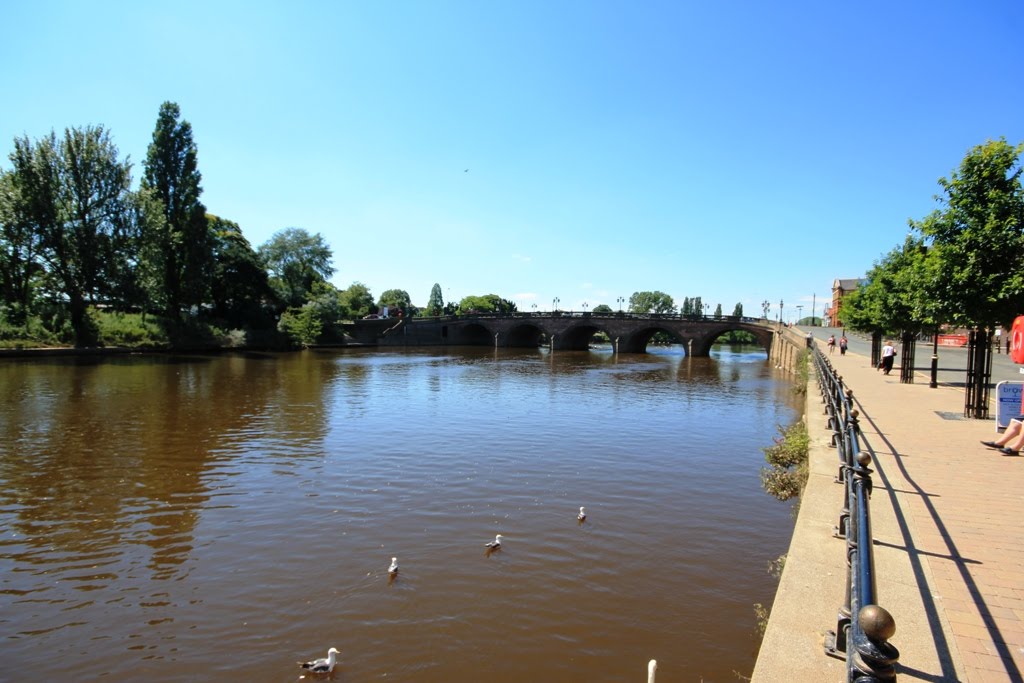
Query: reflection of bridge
[(627, 332)]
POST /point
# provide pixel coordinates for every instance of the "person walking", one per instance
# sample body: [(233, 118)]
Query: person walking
[(831, 343), (888, 356), (843, 343)]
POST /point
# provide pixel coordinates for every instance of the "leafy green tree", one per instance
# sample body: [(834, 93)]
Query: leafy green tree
[(396, 300), (737, 310), (355, 301), (177, 250), (296, 260), (718, 312), (20, 248), (651, 302), (303, 325), (241, 291), (977, 236), (435, 305), (891, 296), (73, 193), (603, 309)]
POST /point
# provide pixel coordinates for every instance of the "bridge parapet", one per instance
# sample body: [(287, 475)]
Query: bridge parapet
[(628, 332)]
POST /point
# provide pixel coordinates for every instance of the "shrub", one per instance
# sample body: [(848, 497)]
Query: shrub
[(787, 459)]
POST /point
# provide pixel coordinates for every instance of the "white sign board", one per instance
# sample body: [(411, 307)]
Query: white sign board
[(1008, 402)]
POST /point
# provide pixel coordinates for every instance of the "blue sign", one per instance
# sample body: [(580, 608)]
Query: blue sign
[(1008, 402)]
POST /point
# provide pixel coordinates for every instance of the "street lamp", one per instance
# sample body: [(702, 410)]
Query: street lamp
[(534, 305), (620, 300), (706, 308), (764, 309), (799, 312), (554, 304), (780, 311), (585, 306)]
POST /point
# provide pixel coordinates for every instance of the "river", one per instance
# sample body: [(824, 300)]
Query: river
[(196, 518)]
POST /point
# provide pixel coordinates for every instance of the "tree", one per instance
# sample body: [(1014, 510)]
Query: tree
[(737, 310), (978, 238), (73, 193), (355, 301), (296, 260), (395, 300), (718, 312), (241, 290), (435, 305), (651, 302), (603, 309), (179, 249), (20, 248)]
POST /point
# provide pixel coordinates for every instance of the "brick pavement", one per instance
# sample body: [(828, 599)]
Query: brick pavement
[(949, 551)]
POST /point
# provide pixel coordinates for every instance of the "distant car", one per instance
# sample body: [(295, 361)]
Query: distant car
[(371, 316)]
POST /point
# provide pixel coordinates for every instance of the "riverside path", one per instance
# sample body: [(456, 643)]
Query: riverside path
[(949, 548)]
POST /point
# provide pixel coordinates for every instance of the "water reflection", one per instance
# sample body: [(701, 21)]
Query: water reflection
[(169, 508)]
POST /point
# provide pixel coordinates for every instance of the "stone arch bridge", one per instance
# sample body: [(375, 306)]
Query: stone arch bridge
[(629, 333)]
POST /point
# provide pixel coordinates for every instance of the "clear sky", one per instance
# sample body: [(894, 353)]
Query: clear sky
[(738, 151)]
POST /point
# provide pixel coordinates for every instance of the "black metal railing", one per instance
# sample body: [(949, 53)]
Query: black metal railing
[(861, 641)]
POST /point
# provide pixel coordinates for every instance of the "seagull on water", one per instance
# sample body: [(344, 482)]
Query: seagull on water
[(652, 666), (583, 514), (393, 569), (324, 665), (495, 544)]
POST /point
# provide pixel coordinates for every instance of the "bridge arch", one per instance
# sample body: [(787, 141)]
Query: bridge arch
[(473, 334)]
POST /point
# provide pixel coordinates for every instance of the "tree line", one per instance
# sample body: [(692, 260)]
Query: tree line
[(87, 260), (961, 266)]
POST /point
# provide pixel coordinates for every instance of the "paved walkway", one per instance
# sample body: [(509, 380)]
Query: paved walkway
[(949, 549)]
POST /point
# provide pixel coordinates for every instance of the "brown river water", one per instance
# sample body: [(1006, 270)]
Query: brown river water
[(208, 518)]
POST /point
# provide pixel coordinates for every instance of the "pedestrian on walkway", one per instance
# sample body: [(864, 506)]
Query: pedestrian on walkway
[(843, 343), (888, 356), (831, 343), (1012, 440)]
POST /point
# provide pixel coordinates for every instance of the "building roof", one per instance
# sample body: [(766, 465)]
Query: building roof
[(848, 284)]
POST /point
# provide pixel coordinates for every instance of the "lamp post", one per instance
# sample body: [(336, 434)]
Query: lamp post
[(814, 301), (780, 311), (706, 308), (764, 309), (585, 307), (620, 300), (554, 304), (534, 306), (799, 312)]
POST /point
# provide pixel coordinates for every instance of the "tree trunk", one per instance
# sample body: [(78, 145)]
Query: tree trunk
[(979, 372)]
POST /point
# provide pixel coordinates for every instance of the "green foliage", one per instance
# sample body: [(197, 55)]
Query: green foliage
[(737, 310), (786, 474), (296, 260), (129, 329), (355, 301), (651, 302), (435, 305), (72, 193), (602, 309), (898, 293), (488, 303), (977, 237), (177, 243), (241, 291), (718, 312), (303, 325), (396, 300)]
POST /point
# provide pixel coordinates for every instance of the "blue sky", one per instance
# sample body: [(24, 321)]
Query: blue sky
[(737, 151)]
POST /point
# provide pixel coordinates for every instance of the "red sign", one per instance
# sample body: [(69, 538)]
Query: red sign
[(1017, 340), (952, 340)]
